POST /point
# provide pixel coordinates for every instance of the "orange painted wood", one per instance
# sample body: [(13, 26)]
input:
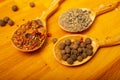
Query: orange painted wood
[(41, 64)]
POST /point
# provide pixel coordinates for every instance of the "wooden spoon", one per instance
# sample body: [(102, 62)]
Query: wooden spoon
[(93, 15), (110, 41), (18, 40)]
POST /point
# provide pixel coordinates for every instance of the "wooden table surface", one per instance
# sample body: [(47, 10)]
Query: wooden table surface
[(41, 64)]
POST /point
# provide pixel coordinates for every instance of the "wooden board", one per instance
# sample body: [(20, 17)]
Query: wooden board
[(41, 65)]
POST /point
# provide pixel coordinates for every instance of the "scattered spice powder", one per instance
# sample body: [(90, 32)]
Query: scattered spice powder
[(29, 36), (75, 20)]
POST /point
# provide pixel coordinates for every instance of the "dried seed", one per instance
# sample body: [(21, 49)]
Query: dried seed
[(73, 51), (65, 57), (67, 42), (67, 49), (32, 4), (11, 22), (6, 19), (84, 55), (88, 41), (54, 40), (79, 58), (89, 52), (62, 46), (15, 8), (2, 23), (70, 61), (83, 44), (80, 50), (74, 57), (89, 46), (63, 52)]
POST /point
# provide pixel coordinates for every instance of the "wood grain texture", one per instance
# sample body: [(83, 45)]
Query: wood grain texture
[(41, 65)]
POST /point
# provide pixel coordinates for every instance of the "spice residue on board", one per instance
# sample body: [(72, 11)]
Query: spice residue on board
[(75, 20), (75, 50)]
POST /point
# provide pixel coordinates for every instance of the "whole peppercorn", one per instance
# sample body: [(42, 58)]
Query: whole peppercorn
[(89, 46), (32, 4), (70, 61), (67, 42), (65, 57), (84, 55), (62, 46), (6, 19), (15, 8), (54, 40), (11, 22), (83, 44), (77, 42), (89, 52), (79, 58), (74, 57), (88, 41), (67, 49), (63, 52), (2, 23)]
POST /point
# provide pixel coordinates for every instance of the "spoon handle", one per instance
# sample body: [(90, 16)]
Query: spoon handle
[(110, 41), (107, 8), (53, 7)]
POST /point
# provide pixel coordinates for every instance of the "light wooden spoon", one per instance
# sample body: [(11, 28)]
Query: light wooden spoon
[(110, 41), (53, 7), (93, 15)]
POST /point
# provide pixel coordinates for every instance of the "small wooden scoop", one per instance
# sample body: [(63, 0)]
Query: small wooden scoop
[(111, 41), (93, 15), (54, 5)]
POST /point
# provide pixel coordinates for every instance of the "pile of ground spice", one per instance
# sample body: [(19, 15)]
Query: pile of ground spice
[(29, 36), (75, 20)]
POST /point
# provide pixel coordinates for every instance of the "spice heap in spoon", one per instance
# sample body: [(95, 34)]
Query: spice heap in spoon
[(29, 36), (75, 20), (75, 50)]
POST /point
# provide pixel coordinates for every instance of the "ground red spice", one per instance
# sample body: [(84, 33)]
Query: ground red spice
[(29, 36)]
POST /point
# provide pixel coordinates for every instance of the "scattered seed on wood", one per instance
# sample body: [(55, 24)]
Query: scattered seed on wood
[(6, 19), (32, 4), (11, 22), (54, 40), (15, 8), (2, 23)]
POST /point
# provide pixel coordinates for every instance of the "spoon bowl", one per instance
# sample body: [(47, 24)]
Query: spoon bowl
[(68, 26), (95, 43), (32, 35)]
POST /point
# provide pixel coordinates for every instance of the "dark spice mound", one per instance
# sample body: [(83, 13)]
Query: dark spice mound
[(75, 20), (75, 50)]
